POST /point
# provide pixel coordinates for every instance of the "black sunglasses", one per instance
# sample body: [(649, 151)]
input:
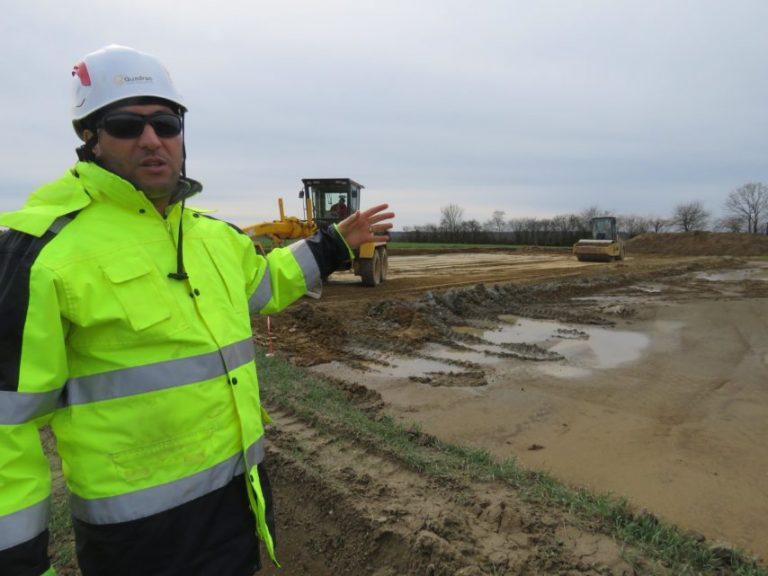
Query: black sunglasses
[(131, 125)]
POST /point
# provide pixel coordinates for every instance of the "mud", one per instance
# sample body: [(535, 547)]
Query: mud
[(645, 379), (345, 510)]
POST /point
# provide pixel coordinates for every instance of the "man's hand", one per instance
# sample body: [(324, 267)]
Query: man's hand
[(367, 226)]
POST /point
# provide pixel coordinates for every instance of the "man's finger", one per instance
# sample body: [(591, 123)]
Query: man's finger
[(375, 209)]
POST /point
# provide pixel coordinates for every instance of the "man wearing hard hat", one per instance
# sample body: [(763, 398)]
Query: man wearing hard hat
[(126, 328)]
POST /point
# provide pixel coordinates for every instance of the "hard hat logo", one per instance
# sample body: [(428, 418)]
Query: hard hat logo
[(121, 79)]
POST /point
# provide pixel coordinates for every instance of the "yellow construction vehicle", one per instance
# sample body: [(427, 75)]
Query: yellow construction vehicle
[(327, 201), (605, 244), (268, 235), (332, 200)]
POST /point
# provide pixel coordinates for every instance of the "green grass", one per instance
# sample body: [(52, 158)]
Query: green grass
[(456, 246), (446, 246), (62, 541), (327, 408)]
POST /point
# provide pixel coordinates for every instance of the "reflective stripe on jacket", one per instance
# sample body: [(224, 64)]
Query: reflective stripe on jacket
[(148, 383)]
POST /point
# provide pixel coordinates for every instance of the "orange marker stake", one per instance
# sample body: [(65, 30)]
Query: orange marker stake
[(270, 349)]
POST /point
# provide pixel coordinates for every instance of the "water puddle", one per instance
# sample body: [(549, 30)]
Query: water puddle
[(603, 349), (734, 275), (582, 347), (476, 354), (523, 330), (552, 348)]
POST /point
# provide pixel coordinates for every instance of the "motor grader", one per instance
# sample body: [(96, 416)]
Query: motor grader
[(327, 201), (605, 244)]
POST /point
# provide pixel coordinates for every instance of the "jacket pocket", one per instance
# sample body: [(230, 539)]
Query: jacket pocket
[(135, 287)]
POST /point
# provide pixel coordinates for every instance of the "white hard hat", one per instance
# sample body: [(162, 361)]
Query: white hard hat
[(116, 73)]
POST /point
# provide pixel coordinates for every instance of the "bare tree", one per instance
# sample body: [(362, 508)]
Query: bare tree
[(533, 229), (632, 225), (560, 223), (657, 224), (575, 224), (497, 222), (472, 226), (451, 217), (690, 216), (748, 203), (730, 224), (516, 224), (426, 228)]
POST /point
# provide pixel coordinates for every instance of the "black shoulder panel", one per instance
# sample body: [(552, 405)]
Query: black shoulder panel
[(18, 252), (224, 221)]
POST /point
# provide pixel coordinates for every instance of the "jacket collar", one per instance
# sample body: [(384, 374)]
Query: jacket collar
[(86, 182), (98, 180)]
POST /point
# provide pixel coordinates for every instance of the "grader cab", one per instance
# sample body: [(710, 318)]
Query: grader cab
[(332, 200)]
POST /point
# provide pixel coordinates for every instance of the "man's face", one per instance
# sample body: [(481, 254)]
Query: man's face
[(152, 164)]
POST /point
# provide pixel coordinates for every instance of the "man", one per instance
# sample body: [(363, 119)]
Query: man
[(340, 209), (125, 326)]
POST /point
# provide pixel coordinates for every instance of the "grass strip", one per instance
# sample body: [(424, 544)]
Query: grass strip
[(327, 407), (397, 245)]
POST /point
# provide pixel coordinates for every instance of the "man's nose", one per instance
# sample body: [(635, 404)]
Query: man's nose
[(149, 138)]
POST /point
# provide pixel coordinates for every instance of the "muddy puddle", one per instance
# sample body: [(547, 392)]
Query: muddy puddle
[(585, 347), (754, 273), (555, 348)]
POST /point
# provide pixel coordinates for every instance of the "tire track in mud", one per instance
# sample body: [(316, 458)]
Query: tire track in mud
[(345, 509)]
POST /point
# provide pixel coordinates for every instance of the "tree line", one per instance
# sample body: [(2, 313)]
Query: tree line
[(745, 211)]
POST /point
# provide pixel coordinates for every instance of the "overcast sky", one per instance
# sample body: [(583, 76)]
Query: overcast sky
[(536, 108)]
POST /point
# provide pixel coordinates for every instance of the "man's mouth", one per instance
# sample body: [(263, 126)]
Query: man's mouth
[(152, 162)]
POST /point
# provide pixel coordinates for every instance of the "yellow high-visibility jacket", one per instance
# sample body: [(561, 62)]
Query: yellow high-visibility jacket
[(147, 381)]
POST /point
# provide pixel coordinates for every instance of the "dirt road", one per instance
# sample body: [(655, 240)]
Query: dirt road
[(644, 378)]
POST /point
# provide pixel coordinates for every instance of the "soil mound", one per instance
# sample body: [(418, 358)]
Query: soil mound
[(699, 244)]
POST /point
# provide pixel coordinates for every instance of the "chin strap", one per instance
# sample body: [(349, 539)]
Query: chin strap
[(180, 273), (186, 187)]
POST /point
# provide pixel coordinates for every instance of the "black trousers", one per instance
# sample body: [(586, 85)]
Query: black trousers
[(213, 535)]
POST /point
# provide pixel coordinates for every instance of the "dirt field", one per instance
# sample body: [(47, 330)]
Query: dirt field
[(643, 378)]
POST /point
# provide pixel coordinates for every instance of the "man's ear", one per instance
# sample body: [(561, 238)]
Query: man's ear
[(87, 135)]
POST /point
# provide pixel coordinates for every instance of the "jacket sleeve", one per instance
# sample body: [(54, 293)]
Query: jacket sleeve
[(286, 274), (33, 369)]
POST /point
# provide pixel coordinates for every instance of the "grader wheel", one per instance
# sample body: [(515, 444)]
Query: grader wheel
[(382, 250), (370, 270), (373, 270)]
